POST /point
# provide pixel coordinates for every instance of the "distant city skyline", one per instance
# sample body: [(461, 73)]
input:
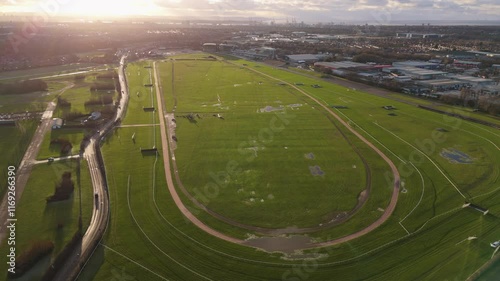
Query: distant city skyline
[(308, 11)]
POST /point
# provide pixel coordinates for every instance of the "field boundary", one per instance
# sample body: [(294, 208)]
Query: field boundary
[(168, 174), (134, 262), (387, 213), (394, 199), (486, 123), (384, 93), (426, 156)]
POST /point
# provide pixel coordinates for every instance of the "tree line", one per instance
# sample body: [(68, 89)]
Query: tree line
[(23, 87)]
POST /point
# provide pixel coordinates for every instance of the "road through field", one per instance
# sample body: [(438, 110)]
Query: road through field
[(77, 260), (165, 143)]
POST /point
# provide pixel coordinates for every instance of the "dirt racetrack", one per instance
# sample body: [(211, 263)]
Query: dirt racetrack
[(192, 218)]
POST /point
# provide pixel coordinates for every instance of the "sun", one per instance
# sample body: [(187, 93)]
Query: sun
[(93, 8)]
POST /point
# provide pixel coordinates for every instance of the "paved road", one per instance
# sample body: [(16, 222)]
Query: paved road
[(29, 159), (98, 221), (100, 213), (24, 170), (36, 162)]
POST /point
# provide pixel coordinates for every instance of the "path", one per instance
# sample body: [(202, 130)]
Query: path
[(388, 94), (24, 170), (138, 125), (394, 199), (165, 142), (55, 159), (170, 183)]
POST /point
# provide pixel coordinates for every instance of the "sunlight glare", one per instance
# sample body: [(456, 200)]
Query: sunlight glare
[(111, 7)]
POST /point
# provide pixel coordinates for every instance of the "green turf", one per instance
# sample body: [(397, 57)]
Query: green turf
[(47, 71), (466, 112), (140, 95), (175, 250), (75, 136), (166, 77), (80, 93), (57, 222), (491, 273), (30, 102), (272, 166), (13, 144)]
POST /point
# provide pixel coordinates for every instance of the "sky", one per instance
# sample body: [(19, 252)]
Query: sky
[(309, 11)]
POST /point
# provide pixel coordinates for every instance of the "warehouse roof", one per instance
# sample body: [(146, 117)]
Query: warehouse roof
[(419, 71), (415, 63), (470, 79), (342, 64), (303, 57), (440, 82)]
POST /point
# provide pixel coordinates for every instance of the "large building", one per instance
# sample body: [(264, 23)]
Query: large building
[(366, 71), (209, 47), (418, 64), (263, 53), (343, 65), (226, 47), (268, 52), (473, 81), (492, 90), (305, 58), (417, 73), (466, 64), (299, 34), (487, 54), (443, 84), (419, 35)]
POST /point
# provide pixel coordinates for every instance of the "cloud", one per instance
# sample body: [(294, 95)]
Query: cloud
[(318, 10), (321, 10)]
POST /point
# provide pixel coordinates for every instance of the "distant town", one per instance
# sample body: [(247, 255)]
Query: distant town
[(456, 64), (250, 149)]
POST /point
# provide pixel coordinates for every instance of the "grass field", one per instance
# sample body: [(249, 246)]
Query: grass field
[(46, 71), (37, 220), (467, 112), (425, 238), (31, 102), (77, 95), (13, 143), (81, 93), (74, 136), (491, 273), (56, 222), (140, 96), (274, 168)]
